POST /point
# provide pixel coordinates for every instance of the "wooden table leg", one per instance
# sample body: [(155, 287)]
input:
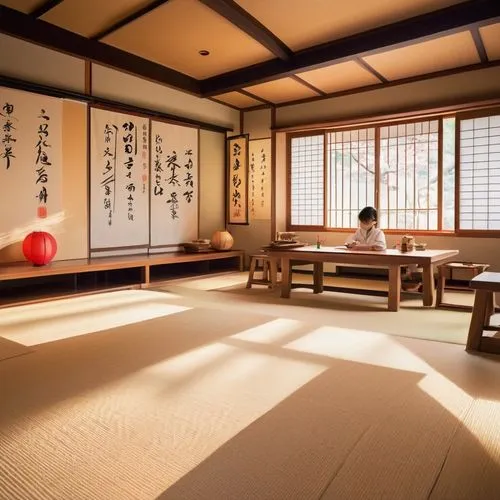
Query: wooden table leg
[(286, 277), (318, 277), (145, 276), (273, 271), (394, 288), (477, 320), (429, 290), (490, 308), (440, 286)]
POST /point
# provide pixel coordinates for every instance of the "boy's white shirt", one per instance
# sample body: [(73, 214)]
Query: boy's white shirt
[(374, 237)]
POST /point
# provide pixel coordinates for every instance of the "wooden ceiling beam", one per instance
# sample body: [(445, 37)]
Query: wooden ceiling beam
[(307, 84), (371, 70), (251, 26), (428, 26), (396, 83), (254, 96), (24, 26), (129, 19), (45, 7), (478, 41)]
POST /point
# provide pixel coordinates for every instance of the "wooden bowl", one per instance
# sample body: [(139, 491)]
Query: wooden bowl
[(410, 286)]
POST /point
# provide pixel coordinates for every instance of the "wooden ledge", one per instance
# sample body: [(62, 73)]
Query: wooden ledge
[(20, 270)]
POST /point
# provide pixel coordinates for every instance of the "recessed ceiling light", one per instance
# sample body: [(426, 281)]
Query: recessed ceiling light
[(204, 53)]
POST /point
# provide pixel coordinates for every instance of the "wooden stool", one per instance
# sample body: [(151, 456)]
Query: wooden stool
[(486, 285), (265, 264), (466, 270)]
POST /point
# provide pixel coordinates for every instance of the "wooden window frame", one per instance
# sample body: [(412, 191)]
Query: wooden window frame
[(315, 132), (289, 138), (439, 119), (324, 131), (459, 117)]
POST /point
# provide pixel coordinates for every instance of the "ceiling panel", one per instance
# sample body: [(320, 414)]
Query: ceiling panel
[(491, 40), (338, 77), (282, 90), (301, 24), (237, 99), (174, 34), (90, 17), (439, 54), (25, 6)]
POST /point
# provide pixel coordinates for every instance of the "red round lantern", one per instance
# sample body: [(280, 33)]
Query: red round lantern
[(39, 247)]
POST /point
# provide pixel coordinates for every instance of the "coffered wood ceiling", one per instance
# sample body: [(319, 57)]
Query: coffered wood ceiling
[(266, 52)]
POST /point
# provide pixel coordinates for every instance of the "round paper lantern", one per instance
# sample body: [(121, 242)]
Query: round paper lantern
[(222, 240), (39, 247)]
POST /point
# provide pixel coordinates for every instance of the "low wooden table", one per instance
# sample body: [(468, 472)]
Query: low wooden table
[(390, 259), (485, 285)]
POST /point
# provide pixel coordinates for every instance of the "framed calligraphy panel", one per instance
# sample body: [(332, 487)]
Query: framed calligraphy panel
[(119, 182), (260, 179), (174, 185), (237, 179), (30, 162)]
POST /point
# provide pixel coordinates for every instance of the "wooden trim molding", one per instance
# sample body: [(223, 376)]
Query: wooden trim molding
[(414, 113), (273, 177), (18, 84)]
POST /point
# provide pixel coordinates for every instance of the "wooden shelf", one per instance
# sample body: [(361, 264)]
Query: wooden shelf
[(22, 283)]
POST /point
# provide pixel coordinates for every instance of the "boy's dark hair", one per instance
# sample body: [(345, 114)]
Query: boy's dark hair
[(367, 214)]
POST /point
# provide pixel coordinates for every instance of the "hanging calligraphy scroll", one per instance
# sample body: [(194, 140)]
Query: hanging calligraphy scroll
[(237, 179), (174, 185), (260, 179), (119, 182), (30, 161)]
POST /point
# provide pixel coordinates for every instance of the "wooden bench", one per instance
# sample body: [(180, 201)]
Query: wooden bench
[(449, 271), (485, 285), (22, 283)]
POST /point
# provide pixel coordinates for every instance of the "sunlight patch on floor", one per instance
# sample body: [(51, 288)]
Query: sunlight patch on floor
[(212, 282), (360, 346), (270, 332), (41, 323), (384, 350)]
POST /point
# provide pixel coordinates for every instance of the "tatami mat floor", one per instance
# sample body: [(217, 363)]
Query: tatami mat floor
[(206, 390)]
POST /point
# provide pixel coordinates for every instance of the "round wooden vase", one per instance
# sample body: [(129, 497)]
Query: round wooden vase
[(222, 240), (39, 247)]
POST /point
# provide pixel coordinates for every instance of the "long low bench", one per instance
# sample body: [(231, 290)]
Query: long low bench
[(22, 283)]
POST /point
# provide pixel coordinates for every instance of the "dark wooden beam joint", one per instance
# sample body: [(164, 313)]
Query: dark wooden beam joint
[(307, 84), (48, 35), (253, 96), (129, 19), (443, 22), (251, 26), (44, 8), (478, 41), (373, 71)]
